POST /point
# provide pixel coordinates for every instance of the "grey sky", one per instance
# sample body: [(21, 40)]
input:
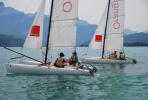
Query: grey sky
[(136, 11)]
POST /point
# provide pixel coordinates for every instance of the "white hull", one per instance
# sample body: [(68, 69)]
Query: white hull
[(36, 69), (29, 62), (98, 60)]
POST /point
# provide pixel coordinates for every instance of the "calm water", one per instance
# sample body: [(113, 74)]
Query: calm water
[(111, 82)]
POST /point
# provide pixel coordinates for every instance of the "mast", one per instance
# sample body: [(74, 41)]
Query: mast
[(105, 29), (49, 29)]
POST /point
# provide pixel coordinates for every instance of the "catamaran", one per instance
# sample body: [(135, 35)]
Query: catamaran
[(109, 35), (61, 35)]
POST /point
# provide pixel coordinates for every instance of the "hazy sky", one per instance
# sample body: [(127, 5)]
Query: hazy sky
[(136, 11)]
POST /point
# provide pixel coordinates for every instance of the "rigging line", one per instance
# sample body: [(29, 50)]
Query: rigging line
[(22, 51), (87, 51), (22, 54), (43, 54), (15, 58)]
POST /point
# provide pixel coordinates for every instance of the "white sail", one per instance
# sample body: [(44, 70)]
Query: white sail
[(63, 27), (98, 37), (115, 27), (34, 38)]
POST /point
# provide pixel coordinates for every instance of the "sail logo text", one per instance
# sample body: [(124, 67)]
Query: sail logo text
[(115, 6)]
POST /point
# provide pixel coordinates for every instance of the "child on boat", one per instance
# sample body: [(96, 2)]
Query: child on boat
[(60, 61), (122, 56), (74, 59), (113, 55)]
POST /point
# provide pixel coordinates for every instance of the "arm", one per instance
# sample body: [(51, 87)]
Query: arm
[(64, 61), (77, 60), (56, 60)]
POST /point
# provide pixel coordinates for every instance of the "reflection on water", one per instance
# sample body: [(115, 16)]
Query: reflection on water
[(47, 89), (111, 82)]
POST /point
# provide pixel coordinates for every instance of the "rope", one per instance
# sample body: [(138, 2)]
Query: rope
[(51, 57), (85, 54), (43, 54), (14, 58), (22, 52)]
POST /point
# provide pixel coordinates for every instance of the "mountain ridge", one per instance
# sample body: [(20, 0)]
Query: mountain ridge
[(17, 24)]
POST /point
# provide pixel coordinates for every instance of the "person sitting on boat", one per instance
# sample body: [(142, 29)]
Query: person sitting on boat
[(74, 59), (113, 55), (60, 61), (122, 56)]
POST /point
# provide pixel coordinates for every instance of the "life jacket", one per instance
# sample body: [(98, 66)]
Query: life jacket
[(59, 62), (112, 56), (73, 59), (122, 56)]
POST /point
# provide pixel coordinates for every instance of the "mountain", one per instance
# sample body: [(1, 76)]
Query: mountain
[(14, 26), (145, 31), (2, 5), (137, 37), (7, 10), (17, 24), (85, 32), (128, 31), (7, 40)]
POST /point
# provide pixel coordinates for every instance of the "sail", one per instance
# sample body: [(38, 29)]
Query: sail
[(98, 37), (34, 38), (63, 26), (115, 26)]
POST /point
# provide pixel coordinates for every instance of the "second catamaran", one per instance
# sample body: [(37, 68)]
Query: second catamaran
[(109, 35)]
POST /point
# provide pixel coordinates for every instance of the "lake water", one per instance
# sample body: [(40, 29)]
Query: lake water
[(111, 82)]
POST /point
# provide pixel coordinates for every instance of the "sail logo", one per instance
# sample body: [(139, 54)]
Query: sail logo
[(115, 6), (35, 31), (67, 7), (98, 38)]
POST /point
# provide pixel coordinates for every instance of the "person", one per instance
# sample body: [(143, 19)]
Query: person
[(60, 61), (121, 56), (74, 59), (113, 55)]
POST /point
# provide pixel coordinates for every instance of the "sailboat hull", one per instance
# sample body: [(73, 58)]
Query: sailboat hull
[(98, 60), (36, 69)]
